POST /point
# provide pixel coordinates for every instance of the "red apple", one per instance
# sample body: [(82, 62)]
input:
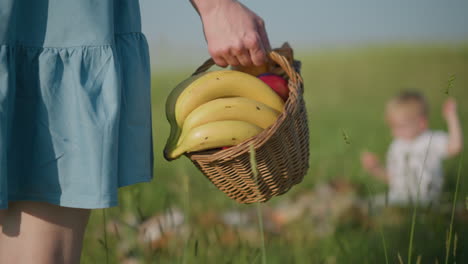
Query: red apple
[(277, 83)]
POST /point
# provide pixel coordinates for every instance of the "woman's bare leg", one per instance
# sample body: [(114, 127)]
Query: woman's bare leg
[(38, 232)]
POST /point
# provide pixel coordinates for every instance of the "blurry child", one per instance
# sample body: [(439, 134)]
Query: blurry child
[(416, 153)]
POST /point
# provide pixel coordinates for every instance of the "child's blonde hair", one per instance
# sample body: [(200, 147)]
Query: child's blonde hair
[(409, 102)]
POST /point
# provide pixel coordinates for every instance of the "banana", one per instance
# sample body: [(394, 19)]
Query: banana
[(224, 83), (233, 108), (214, 135), (170, 113)]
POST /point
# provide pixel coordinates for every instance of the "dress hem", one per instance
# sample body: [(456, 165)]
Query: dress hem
[(72, 203)]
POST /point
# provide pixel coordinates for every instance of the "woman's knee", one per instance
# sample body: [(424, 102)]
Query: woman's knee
[(45, 229), (51, 213)]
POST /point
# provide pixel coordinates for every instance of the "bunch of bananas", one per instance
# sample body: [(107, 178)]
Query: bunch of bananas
[(218, 109)]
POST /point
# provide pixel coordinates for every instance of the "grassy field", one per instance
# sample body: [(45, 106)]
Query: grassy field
[(345, 94)]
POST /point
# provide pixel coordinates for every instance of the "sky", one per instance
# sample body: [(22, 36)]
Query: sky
[(175, 34)]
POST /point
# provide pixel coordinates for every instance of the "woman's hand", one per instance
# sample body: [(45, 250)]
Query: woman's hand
[(235, 35)]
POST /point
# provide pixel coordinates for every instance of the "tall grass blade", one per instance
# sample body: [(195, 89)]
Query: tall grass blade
[(104, 221), (195, 248), (117, 231), (418, 259), (413, 220), (450, 84), (253, 165), (455, 241), (384, 244), (400, 259), (186, 187), (345, 137), (449, 238)]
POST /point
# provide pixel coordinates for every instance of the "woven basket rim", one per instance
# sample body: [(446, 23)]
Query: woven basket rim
[(295, 86)]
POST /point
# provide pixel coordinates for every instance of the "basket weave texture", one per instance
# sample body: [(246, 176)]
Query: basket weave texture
[(282, 150)]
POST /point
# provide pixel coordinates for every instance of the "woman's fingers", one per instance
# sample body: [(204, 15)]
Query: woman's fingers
[(257, 51), (252, 52), (220, 61), (235, 55), (244, 58), (259, 45), (231, 60), (264, 36)]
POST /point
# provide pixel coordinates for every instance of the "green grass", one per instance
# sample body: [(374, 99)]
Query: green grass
[(345, 94)]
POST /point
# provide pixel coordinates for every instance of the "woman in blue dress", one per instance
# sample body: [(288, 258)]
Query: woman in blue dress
[(75, 114)]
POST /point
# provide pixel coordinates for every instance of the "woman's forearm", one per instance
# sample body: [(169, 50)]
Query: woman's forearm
[(206, 6)]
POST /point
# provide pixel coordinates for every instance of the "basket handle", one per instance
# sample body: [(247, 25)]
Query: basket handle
[(275, 56)]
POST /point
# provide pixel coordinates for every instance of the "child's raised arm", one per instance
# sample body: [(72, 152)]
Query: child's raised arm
[(371, 163), (455, 141)]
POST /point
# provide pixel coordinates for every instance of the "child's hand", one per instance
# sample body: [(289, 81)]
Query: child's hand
[(455, 139), (369, 161), (450, 108)]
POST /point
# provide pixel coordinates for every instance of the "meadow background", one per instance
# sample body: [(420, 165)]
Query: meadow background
[(354, 57)]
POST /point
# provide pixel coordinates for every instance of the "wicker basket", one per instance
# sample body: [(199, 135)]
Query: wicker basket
[(282, 150)]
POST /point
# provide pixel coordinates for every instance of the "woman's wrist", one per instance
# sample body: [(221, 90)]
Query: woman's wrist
[(207, 6)]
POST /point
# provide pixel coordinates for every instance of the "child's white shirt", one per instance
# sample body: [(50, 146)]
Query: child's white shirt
[(417, 163)]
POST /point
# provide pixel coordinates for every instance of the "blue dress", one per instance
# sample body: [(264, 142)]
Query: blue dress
[(75, 114)]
